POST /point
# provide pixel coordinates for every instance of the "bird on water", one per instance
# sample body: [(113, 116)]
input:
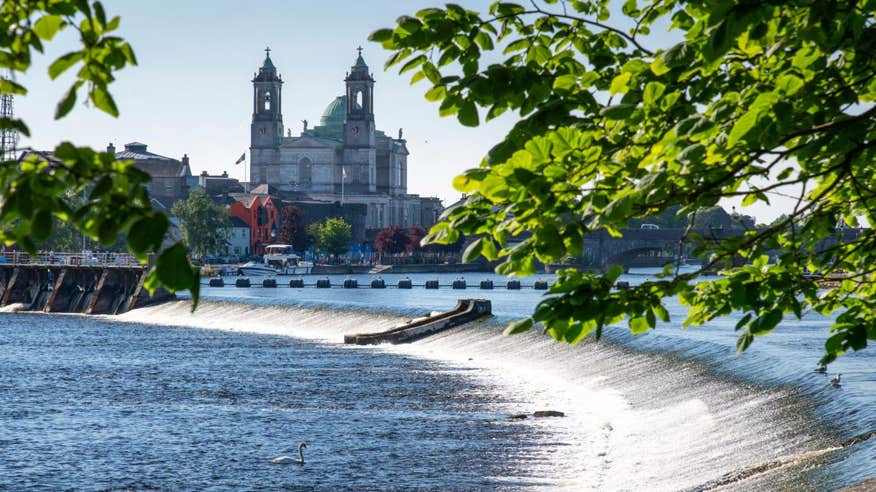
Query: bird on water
[(835, 381), (285, 460), (821, 369)]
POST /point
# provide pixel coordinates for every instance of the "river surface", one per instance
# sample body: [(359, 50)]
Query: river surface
[(160, 398)]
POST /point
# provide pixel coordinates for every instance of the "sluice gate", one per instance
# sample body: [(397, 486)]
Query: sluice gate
[(86, 289)]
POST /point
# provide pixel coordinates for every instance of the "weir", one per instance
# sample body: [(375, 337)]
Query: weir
[(466, 310), (87, 289)]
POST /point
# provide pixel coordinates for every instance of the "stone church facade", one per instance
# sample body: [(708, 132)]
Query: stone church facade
[(344, 159)]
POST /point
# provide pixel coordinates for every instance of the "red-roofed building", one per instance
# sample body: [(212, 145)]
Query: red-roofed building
[(262, 213)]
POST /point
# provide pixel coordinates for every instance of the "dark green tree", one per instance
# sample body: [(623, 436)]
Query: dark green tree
[(205, 225), (36, 189), (753, 98)]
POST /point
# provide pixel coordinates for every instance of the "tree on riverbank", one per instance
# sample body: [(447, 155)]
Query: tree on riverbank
[(205, 225), (36, 191), (754, 100), (392, 240), (332, 236), (292, 230)]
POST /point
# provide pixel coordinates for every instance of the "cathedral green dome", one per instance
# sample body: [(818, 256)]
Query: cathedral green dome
[(335, 112)]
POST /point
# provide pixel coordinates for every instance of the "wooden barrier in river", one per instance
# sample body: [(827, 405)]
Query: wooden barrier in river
[(466, 310)]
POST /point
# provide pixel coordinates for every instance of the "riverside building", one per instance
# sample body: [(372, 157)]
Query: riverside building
[(344, 160)]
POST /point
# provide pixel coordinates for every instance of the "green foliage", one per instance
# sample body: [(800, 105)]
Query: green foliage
[(40, 191), (754, 98), (332, 236), (205, 225)]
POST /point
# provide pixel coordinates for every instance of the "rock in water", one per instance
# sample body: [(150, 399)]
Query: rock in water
[(548, 413)]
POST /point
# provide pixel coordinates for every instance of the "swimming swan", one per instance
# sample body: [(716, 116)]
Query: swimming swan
[(835, 381), (285, 460)]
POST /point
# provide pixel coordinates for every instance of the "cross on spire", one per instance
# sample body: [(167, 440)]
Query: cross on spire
[(360, 50), (268, 51)]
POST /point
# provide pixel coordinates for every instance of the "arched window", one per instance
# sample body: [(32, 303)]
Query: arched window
[(358, 100), (305, 171), (268, 101)]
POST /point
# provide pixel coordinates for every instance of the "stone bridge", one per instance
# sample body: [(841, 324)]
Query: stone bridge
[(657, 247)]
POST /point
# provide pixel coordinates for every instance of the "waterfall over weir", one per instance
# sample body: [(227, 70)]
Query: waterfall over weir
[(634, 421)]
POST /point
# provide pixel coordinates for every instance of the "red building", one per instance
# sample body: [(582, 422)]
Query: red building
[(262, 213)]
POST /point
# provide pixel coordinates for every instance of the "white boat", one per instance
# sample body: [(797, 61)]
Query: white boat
[(279, 259)]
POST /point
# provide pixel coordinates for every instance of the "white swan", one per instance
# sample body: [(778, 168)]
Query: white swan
[(285, 460), (835, 381)]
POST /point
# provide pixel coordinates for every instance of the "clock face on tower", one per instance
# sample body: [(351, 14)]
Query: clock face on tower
[(355, 130)]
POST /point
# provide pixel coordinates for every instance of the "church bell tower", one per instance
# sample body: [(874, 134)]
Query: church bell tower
[(266, 131), (359, 125)]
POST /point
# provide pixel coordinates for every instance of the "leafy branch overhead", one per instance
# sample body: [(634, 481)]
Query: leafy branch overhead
[(754, 100), (100, 196)]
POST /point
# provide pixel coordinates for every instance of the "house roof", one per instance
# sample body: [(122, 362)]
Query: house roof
[(161, 168), (238, 222), (137, 151)]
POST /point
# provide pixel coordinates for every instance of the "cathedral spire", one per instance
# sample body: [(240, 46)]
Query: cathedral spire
[(268, 63), (267, 72)]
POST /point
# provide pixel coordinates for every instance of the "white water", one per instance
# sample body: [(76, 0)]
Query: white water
[(633, 421)]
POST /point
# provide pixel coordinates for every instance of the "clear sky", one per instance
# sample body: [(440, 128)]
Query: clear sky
[(191, 92)]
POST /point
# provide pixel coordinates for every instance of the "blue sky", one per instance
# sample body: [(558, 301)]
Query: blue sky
[(191, 92)]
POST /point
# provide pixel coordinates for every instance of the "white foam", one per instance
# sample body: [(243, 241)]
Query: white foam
[(633, 421)]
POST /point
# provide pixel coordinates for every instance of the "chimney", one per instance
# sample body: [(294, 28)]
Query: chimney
[(111, 148), (204, 173)]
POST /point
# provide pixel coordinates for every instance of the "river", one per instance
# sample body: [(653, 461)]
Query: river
[(160, 398)]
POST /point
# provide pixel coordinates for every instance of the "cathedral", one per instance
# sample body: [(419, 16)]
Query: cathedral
[(343, 160)]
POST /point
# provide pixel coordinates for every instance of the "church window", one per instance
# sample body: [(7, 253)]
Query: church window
[(262, 131), (358, 99), (268, 101), (305, 171)]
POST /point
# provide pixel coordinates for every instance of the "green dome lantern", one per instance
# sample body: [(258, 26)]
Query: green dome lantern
[(334, 113)]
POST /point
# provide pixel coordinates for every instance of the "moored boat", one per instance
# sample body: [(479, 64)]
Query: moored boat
[(279, 259)]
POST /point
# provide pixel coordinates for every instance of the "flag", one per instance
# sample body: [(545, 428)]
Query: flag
[(242, 158), (343, 173)]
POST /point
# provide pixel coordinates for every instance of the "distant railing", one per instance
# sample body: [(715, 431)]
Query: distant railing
[(84, 258)]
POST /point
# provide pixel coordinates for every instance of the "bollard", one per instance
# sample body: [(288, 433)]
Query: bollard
[(405, 283), (431, 284), (323, 283), (487, 284), (242, 282), (351, 283), (378, 283), (540, 285), (269, 283), (296, 283), (513, 285), (217, 282), (459, 284)]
